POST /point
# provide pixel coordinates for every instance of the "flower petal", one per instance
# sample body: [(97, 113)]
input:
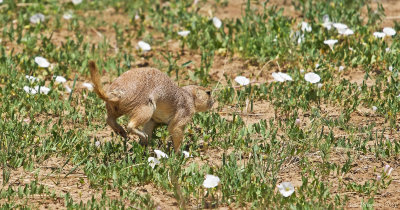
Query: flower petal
[(306, 27), (183, 33), (60, 79), (31, 78), (42, 89), (30, 90), (76, 2), (340, 26), (144, 46), (160, 154), (389, 31), (153, 162), (281, 77), (242, 80), (42, 62), (67, 16), (87, 86), (37, 18), (330, 42), (286, 189), (211, 181), (187, 154), (312, 77), (217, 22), (379, 34)]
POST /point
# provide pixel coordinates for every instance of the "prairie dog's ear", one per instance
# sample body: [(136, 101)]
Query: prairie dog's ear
[(193, 91)]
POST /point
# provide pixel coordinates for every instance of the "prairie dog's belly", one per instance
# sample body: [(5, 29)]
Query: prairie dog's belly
[(163, 113)]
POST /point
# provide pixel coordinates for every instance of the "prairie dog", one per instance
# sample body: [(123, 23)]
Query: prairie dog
[(150, 98)]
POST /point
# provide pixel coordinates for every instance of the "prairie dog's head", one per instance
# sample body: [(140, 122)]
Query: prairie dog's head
[(201, 97)]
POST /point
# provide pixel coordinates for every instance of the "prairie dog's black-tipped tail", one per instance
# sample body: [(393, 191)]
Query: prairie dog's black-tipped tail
[(95, 76)]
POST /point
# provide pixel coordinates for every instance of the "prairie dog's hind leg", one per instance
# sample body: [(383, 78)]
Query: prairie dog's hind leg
[(112, 122), (139, 117)]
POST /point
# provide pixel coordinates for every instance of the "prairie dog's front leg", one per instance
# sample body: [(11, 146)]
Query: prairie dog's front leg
[(176, 129), (148, 129)]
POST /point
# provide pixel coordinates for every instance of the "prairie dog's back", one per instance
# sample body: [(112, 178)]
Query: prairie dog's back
[(137, 86)]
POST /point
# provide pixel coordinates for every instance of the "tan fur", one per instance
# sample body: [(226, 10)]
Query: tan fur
[(150, 98)]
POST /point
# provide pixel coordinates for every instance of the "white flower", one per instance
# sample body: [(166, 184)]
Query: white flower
[(378, 178), (42, 89), (97, 143), (29, 90), (211, 181), (60, 79), (327, 22), (341, 68), (330, 42), (286, 189), (36, 18), (327, 25), (37, 89), (187, 154), (281, 77), (340, 26), (217, 22), (389, 31), (379, 34), (242, 80), (302, 70), (67, 16), (390, 68), (319, 85), (183, 33), (31, 78), (374, 108), (317, 65), (312, 77), (326, 19), (144, 46), (87, 86), (297, 122), (42, 62), (68, 89), (76, 2), (153, 162), (300, 40), (388, 170), (1, 1), (300, 37), (346, 32), (306, 27), (387, 49), (160, 154), (137, 17)]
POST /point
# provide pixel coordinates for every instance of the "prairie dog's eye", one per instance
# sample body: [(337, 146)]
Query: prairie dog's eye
[(208, 92)]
